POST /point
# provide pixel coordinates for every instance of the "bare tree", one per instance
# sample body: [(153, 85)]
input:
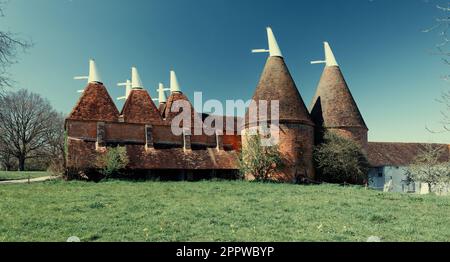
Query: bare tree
[(429, 167), (10, 44), (56, 147), (25, 124), (445, 101), (442, 27), (7, 162)]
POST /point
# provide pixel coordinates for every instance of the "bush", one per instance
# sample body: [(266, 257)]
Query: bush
[(340, 160), (113, 161), (262, 162)]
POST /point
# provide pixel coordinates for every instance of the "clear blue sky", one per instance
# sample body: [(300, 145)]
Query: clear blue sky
[(378, 43)]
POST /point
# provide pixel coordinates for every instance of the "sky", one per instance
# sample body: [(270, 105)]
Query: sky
[(387, 60)]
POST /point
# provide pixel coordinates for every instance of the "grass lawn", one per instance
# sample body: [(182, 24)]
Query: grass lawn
[(216, 211), (13, 175)]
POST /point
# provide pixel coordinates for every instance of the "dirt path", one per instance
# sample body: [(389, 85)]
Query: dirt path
[(25, 181)]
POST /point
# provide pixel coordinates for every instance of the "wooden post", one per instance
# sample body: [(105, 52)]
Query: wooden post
[(186, 140), (101, 135), (149, 137), (219, 141)]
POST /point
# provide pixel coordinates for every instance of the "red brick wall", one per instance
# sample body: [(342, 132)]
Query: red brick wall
[(125, 132), (81, 129), (297, 145), (81, 155), (235, 141)]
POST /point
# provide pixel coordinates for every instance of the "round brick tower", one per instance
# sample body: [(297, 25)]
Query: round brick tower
[(296, 129), (334, 108)]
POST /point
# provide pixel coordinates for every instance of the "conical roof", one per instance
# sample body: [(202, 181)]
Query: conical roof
[(276, 83), (95, 104), (169, 115), (140, 109), (162, 108), (333, 104), (175, 96)]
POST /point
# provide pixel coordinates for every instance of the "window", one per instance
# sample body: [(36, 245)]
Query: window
[(380, 172)]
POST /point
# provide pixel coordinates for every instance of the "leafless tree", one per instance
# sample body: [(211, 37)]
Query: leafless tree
[(442, 27), (26, 120), (7, 161), (10, 45), (430, 167), (56, 146), (445, 101)]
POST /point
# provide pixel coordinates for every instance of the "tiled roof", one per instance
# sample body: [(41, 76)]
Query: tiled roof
[(83, 153), (177, 158), (276, 83), (162, 108), (95, 104), (140, 109), (169, 114), (400, 154), (333, 104)]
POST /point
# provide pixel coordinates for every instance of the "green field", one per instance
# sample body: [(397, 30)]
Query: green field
[(216, 211), (8, 175)]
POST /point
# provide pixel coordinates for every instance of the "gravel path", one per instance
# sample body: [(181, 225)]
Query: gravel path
[(25, 181)]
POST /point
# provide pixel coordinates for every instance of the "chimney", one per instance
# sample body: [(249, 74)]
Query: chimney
[(136, 82), (274, 49), (174, 86), (93, 77), (329, 56), (330, 60)]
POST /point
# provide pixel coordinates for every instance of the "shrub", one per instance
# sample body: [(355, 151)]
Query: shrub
[(260, 161), (340, 160), (113, 161)]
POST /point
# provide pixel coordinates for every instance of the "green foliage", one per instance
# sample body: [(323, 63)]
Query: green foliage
[(429, 168), (262, 162), (340, 160), (113, 161), (229, 211)]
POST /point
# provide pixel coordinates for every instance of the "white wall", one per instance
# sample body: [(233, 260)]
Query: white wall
[(380, 176)]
